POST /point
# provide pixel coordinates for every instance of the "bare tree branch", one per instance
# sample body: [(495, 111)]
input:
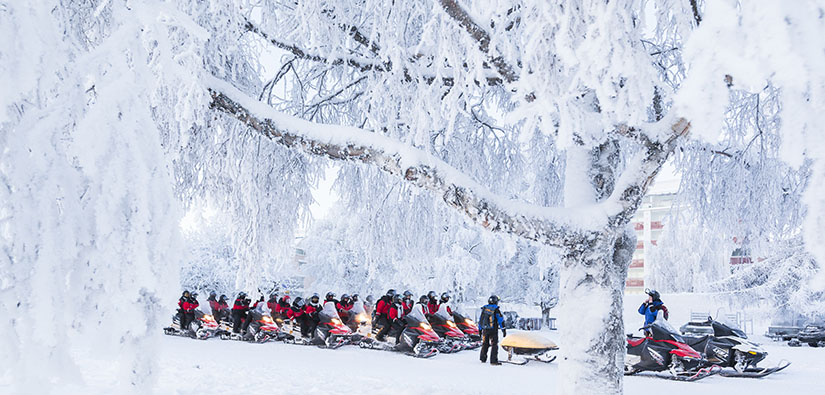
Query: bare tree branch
[(695, 7)]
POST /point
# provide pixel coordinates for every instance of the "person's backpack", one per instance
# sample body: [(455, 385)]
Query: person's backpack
[(488, 317)]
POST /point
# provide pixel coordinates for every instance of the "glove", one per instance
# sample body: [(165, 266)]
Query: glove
[(504, 331)]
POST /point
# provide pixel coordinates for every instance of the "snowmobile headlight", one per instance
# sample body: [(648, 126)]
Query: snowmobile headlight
[(361, 317), (469, 322), (207, 317), (752, 352), (336, 321), (426, 326), (268, 320)]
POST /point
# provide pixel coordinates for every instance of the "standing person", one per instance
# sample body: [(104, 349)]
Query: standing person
[(396, 315), (344, 306), (238, 312), (223, 309), (190, 310), (651, 307), (311, 316), (283, 307), (382, 309), (272, 303), (183, 306), (490, 322)]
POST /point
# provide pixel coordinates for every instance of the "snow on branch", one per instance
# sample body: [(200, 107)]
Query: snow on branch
[(547, 225), (464, 19)]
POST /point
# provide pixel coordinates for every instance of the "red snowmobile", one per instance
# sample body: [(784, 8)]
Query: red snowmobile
[(418, 339), (665, 350)]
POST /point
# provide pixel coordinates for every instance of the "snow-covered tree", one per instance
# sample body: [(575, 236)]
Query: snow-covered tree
[(536, 120)]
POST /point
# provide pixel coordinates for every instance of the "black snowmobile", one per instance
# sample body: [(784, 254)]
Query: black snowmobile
[(813, 334), (261, 328), (202, 327), (418, 339), (453, 339), (729, 347), (665, 350)]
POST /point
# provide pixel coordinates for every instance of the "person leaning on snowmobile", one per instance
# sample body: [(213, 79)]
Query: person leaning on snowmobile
[(239, 312), (490, 321), (382, 309), (651, 307)]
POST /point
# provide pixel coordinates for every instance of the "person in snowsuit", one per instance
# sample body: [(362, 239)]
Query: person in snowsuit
[(272, 303), (382, 309), (490, 321), (432, 302), (344, 306), (651, 307), (369, 305), (223, 309), (311, 316), (407, 302), (247, 316), (214, 305), (281, 309), (190, 311), (239, 312), (330, 297), (422, 300), (445, 300), (183, 308), (395, 315)]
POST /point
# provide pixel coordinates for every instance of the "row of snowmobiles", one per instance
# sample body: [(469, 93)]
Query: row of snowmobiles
[(689, 358), (423, 335)]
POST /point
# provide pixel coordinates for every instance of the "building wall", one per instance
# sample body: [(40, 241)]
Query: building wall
[(648, 222)]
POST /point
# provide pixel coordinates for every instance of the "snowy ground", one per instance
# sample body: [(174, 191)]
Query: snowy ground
[(221, 367)]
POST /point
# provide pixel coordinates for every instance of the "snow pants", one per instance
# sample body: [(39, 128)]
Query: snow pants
[(385, 325), (237, 319), (490, 340)]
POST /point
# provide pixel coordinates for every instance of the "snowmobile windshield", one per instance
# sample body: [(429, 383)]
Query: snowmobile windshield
[(357, 308), (720, 330), (442, 312), (329, 310), (662, 330), (417, 313)]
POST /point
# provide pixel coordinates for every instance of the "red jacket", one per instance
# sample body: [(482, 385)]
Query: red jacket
[(272, 305), (432, 308), (383, 306), (239, 305), (214, 305), (407, 307), (340, 306), (183, 303), (310, 310), (396, 312), (292, 313)]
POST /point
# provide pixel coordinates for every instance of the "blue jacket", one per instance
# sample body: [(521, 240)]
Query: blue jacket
[(496, 320), (649, 311)]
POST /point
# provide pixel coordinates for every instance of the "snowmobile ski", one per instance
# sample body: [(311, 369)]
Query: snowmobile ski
[(756, 372)]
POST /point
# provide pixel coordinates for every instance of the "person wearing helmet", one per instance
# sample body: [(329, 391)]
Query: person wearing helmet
[(490, 321), (272, 303), (282, 307), (407, 302), (213, 304), (239, 310), (382, 309), (422, 300), (652, 306), (330, 297), (394, 318), (445, 300), (432, 302), (296, 310), (183, 307), (344, 307), (311, 316), (223, 308)]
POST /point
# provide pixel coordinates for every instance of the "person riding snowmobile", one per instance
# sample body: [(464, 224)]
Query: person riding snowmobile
[(223, 309), (344, 306), (239, 312), (295, 311), (330, 297), (432, 302), (213, 304), (183, 308), (283, 306), (272, 303), (407, 302), (445, 299), (490, 321), (652, 306), (422, 300), (382, 309), (311, 316), (396, 315)]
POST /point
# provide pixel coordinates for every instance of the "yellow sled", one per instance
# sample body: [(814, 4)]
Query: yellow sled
[(531, 346)]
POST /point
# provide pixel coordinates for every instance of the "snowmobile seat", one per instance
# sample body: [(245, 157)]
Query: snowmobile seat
[(696, 341), (635, 341)]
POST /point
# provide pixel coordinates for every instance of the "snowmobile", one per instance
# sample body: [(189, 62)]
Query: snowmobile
[(813, 334), (469, 327), (202, 327), (665, 350), (359, 322), (454, 339), (532, 346), (729, 347), (330, 332), (261, 329), (418, 339)]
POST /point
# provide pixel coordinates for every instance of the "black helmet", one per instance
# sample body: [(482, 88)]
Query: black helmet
[(223, 297), (423, 299), (212, 294), (396, 298), (194, 294), (654, 293), (408, 294), (273, 295), (242, 294), (355, 297), (432, 295), (370, 299), (493, 299), (330, 296), (298, 303), (345, 298), (185, 292), (391, 293), (445, 297), (314, 300)]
